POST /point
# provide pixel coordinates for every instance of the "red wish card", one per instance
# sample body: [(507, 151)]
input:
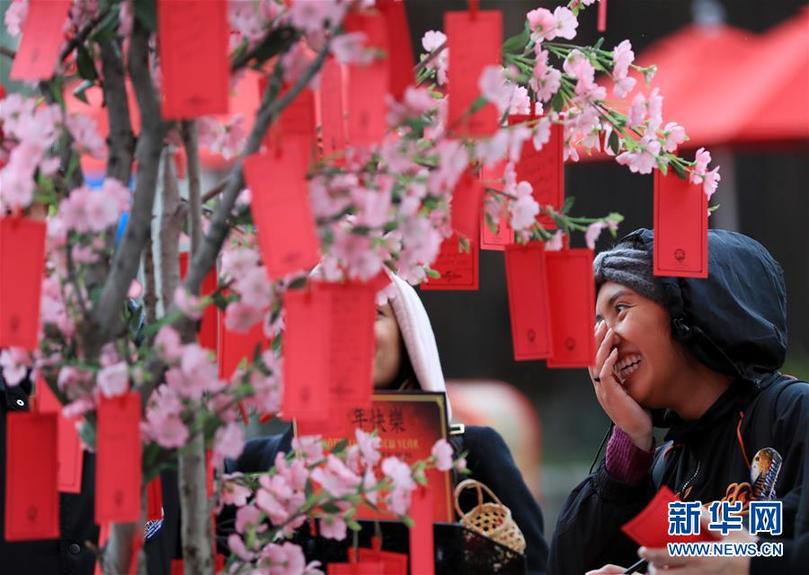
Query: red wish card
[(297, 120), (307, 341), (234, 347), (400, 57), (42, 40), (118, 454), (207, 327), (474, 42), (332, 110), (650, 528), (154, 499), (368, 85), (492, 178), (71, 454), (680, 227), (409, 425), (22, 264), (459, 270), (281, 210), (571, 299), (544, 170), (392, 563), (466, 199), (32, 498), (422, 547), (193, 44), (528, 301), (355, 568)]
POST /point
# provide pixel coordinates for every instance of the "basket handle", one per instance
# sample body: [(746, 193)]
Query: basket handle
[(478, 487)]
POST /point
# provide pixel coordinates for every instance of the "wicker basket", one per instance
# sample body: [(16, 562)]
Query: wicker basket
[(491, 519)]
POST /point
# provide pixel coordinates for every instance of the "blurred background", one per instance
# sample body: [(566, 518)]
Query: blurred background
[(735, 74)]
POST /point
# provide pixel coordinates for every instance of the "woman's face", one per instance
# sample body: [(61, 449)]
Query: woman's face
[(388, 356), (648, 357)]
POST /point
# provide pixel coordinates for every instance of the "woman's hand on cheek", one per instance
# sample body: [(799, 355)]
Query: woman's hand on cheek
[(624, 411)]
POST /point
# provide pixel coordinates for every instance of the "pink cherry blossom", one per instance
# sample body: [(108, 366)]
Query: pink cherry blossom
[(163, 423), (546, 79), (190, 305), (431, 41), (333, 527), (711, 182), (351, 49), (622, 57), (369, 446), (674, 135), (701, 161), (228, 442), (285, 559), (555, 243), (524, 209), (310, 447), (14, 364), (168, 344), (236, 544), (86, 138), (246, 516), (15, 17), (238, 261), (542, 133), (114, 380), (311, 15), (233, 493), (241, 317), (643, 160), (336, 478), (442, 452), (542, 23)]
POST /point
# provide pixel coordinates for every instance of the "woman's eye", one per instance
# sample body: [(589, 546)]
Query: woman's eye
[(620, 307)]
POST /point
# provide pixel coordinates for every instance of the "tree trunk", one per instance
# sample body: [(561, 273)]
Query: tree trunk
[(195, 511)]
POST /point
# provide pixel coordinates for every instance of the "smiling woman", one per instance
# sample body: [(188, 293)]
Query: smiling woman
[(699, 357)]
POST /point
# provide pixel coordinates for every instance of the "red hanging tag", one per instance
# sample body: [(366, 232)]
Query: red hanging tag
[(306, 347), (22, 265), (32, 497), (297, 121), (422, 548), (193, 44), (544, 170), (42, 39), (466, 198), (392, 563), (154, 500), (118, 459), (504, 235), (177, 567), (358, 568), (650, 528), (400, 57), (526, 278), (208, 324), (681, 227), (459, 270), (602, 15), (281, 210), (234, 347), (368, 85), (467, 59), (571, 299), (71, 453), (332, 110)]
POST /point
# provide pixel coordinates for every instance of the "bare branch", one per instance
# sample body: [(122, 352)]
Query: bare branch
[(7, 52), (277, 41), (190, 142), (121, 140), (106, 317), (82, 34), (215, 191), (170, 227), (150, 287), (195, 516)]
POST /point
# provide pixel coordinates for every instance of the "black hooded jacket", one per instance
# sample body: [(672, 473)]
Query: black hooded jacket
[(735, 323)]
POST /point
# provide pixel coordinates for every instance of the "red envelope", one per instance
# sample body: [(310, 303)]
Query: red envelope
[(193, 44), (307, 340), (400, 59), (281, 210), (42, 40), (466, 199), (650, 527), (154, 500), (459, 270), (359, 568), (571, 299), (492, 178), (422, 549), (70, 460), (118, 459), (208, 325), (474, 42), (22, 264), (234, 347), (368, 85), (32, 498), (332, 110), (680, 228), (544, 170), (296, 121), (526, 278)]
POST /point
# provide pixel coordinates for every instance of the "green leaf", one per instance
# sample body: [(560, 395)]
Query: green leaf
[(679, 170), (558, 102), (79, 91), (569, 201), (84, 61), (432, 274), (340, 446), (516, 43), (614, 142), (145, 14), (597, 45), (662, 166)]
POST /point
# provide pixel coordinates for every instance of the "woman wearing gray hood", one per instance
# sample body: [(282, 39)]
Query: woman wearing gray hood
[(699, 357)]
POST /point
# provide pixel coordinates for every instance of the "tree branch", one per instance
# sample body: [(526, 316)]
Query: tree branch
[(195, 516), (82, 34), (106, 316), (121, 140), (150, 287), (189, 133), (170, 227)]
